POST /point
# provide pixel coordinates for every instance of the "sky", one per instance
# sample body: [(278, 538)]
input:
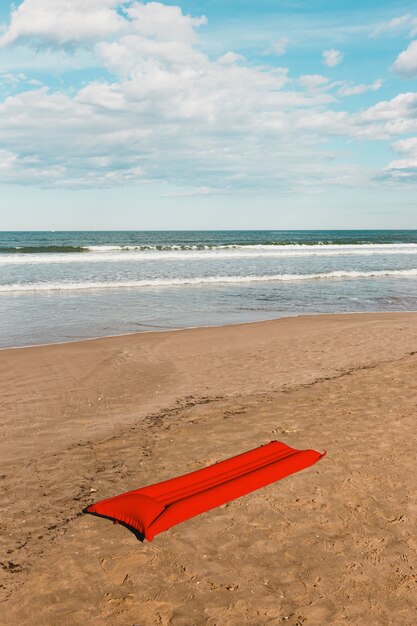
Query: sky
[(197, 115)]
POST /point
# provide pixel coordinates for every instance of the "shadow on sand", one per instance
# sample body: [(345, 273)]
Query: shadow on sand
[(135, 532)]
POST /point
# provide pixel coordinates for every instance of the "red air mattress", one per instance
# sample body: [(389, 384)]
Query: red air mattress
[(155, 508)]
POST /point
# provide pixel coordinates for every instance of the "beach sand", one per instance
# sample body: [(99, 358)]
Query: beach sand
[(333, 544)]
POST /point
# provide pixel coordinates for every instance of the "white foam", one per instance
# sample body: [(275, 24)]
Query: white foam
[(122, 253), (200, 280), (261, 246)]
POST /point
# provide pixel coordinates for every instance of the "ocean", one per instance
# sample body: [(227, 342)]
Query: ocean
[(64, 286)]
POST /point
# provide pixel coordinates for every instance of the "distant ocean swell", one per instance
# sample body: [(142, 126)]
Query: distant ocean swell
[(200, 280), (57, 254), (41, 249), (266, 245), (60, 286)]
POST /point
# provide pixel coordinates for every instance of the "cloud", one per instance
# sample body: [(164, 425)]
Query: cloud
[(46, 60), (63, 22), (392, 117), (314, 82), (229, 58), (317, 82), (197, 191), (278, 47), (397, 26), (406, 62), (332, 57), (12, 79), (350, 89), (18, 78), (166, 112), (80, 21), (406, 146), (385, 120), (165, 23), (403, 170), (208, 126)]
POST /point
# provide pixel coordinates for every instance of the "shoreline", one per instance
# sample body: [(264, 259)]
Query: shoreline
[(85, 420), (232, 324)]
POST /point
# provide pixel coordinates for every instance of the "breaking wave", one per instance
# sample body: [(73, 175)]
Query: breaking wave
[(56, 254), (201, 280)]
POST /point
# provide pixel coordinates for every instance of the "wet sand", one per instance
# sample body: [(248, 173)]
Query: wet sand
[(333, 544)]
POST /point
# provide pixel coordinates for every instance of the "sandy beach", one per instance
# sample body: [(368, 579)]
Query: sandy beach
[(333, 544)]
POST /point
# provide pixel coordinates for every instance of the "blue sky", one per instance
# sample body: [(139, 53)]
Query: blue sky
[(208, 114)]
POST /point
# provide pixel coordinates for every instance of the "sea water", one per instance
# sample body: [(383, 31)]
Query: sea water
[(64, 286)]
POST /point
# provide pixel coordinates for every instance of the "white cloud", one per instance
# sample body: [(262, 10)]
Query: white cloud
[(406, 146), (402, 170), (401, 107), (405, 169), (332, 57), (57, 61), (165, 23), (397, 26), (313, 81), (382, 121), (10, 79), (279, 46), (131, 53), (74, 21), (350, 89), (229, 58), (406, 62), (7, 161), (197, 191), (18, 78), (171, 113), (211, 126), (317, 82), (63, 21)]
